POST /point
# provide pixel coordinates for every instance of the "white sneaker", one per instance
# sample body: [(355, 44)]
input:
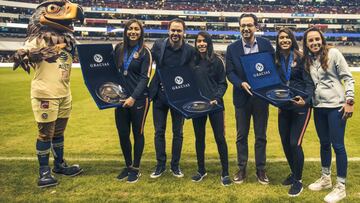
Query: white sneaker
[(337, 194), (322, 183)]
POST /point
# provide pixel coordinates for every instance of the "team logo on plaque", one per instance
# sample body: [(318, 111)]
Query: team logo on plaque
[(112, 93), (259, 67), (179, 80), (98, 58), (197, 106)]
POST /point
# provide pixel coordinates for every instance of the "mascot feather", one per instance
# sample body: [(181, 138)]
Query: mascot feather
[(49, 49), (50, 25)]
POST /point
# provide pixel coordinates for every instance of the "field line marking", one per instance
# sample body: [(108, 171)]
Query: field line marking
[(27, 158)]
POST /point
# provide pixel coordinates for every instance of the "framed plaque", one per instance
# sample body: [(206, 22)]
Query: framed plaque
[(183, 93), (101, 76), (265, 81)]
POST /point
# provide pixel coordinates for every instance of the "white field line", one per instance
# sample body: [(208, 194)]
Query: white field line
[(19, 158)]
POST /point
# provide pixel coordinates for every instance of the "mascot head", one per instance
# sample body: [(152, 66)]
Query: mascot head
[(52, 24), (57, 14)]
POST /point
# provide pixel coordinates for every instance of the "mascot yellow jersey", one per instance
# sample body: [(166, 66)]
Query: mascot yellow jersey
[(51, 80)]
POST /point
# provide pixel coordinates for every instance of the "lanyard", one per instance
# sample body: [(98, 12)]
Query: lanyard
[(127, 60), (287, 71)]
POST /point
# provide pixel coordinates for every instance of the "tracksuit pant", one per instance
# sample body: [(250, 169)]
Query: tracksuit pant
[(218, 126), (133, 117), (292, 126)]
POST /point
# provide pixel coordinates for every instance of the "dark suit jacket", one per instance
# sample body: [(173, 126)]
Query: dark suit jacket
[(157, 52), (235, 71)]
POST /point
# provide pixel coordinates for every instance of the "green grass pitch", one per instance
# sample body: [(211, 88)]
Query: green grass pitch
[(91, 140)]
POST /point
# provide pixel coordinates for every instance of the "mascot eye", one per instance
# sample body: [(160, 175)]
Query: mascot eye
[(53, 8)]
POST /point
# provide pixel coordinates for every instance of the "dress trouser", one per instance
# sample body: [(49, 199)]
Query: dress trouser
[(259, 110)]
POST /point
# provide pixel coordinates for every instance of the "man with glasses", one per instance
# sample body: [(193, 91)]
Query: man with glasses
[(168, 53), (247, 105)]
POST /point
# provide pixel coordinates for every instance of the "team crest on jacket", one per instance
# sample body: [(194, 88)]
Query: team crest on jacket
[(44, 104)]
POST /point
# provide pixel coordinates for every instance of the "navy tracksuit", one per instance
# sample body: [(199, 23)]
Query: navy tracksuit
[(135, 83), (211, 79), (293, 120)]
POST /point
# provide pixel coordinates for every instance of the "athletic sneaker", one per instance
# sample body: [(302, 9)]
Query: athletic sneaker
[(177, 172), (158, 171), (289, 180), (262, 177), (225, 181), (337, 194), (134, 175), (240, 176), (322, 183), (198, 177), (123, 174), (45, 177), (66, 170), (295, 189)]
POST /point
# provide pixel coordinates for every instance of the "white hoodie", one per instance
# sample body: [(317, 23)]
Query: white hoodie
[(329, 89)]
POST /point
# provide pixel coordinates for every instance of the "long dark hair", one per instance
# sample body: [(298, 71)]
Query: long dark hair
[(308, 56), (210, 55), (126, 41), (294, 45)]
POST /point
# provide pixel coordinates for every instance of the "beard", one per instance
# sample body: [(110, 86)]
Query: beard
[(246, 34)]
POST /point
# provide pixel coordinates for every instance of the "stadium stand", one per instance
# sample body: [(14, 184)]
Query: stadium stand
[(105, 19), (277, 6)]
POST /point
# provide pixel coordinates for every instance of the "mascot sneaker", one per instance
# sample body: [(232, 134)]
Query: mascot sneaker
[(66, 170), (45, 177)]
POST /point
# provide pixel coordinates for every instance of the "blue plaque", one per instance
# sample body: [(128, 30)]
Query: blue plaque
[(183, 93), (101, 76), (265, 81)]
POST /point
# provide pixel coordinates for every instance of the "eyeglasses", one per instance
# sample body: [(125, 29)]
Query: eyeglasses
[(247, 25)]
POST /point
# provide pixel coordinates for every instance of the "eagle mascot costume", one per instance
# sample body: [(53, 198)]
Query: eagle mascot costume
[(49, 49)]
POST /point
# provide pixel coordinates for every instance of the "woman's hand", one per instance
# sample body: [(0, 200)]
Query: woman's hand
[(298, 101), (129, 102), (347, 111), (213, 102)]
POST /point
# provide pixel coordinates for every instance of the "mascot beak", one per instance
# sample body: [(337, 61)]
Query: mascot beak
[(62, 17), (80, 14)]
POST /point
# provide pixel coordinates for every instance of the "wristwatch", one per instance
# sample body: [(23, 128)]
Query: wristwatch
[(350, 102)]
